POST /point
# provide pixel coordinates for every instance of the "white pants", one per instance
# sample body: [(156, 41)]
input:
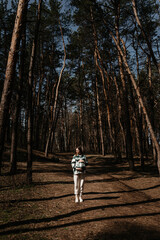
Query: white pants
[(78, 183)]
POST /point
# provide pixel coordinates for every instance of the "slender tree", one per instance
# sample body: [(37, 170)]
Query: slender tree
[(145, 36), (13, 156), (140, 101), (56, 95), (30, 93), (10, 72)]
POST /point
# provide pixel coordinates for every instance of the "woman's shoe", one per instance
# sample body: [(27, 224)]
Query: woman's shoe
[(80, 198), (76, 198)]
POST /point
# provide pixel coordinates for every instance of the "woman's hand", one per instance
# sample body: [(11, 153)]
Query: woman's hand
[(81, 160), (79, 169)]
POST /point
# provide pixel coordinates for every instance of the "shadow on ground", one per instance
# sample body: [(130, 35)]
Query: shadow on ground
[(126, 231), (56, 218)]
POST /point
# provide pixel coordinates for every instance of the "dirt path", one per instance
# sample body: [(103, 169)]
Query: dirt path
[(117, 204)]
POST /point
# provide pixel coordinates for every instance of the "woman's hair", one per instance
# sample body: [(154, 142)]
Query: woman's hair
[(80, 149)]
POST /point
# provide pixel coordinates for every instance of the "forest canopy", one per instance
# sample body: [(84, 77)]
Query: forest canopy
[(80, 72)]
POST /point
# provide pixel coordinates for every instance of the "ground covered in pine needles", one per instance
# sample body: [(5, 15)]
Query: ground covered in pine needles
[(118, 204)]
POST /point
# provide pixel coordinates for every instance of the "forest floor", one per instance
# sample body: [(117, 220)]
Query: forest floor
[(118, 204)]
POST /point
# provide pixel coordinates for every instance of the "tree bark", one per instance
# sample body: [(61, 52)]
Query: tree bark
[(37, 117), (30, 97), (56, 96), (81, 123), (120, 129), (121, 133), (129, 152), (99, 112), (145, 36), (66, 138), (10, 73), (140, 101), (139, 115), (13, 156), (103, 80), (151, 105)]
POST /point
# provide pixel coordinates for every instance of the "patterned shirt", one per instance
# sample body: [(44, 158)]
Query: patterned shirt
[(75, 160)]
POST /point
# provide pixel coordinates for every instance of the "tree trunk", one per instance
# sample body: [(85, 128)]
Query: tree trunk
[(56, 96), (140, 115), (54, 127), (140, 101), (81, 124), (125, 95), (136, 133), (13, 156), (30, 97), (99, 116), (121, 133), (65, 130), (120, 129), (37, 117), (151, 104), (103, 80), (10, 72), (145, 36), (91, 125)]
